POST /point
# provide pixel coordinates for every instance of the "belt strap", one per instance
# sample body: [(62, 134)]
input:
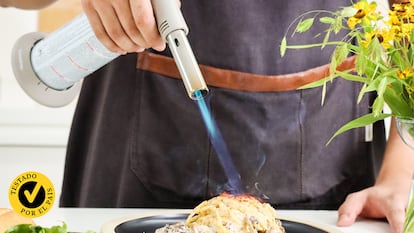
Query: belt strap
[(237, 80)]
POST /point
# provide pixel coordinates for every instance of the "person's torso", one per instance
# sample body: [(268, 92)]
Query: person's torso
[(276, 139)]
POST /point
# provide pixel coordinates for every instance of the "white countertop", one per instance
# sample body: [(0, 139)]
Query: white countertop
[(81, 220)]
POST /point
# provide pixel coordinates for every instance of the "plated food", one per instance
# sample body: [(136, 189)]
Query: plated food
[(229, 214)]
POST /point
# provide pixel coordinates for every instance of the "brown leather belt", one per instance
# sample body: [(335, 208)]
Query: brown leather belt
[(241, 81)]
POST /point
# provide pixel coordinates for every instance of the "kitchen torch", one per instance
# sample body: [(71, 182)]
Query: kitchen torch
[(49, 68)]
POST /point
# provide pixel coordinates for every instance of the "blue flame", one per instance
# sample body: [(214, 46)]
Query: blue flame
[(234, 183)]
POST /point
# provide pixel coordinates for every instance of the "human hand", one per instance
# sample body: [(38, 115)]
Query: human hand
[(124, 26), (379, 201)]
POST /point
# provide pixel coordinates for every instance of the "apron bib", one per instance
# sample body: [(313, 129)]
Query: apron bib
[(137, 140)]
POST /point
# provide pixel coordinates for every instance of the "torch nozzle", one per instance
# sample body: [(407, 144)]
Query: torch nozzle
[(173, 30), (187, 64)]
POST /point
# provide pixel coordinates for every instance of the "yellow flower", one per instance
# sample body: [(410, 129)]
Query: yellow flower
[(384, 36), (394, 20), (383, 47), (406, 73), (365, 13), (402, 19), (404, 8), (406, 30)]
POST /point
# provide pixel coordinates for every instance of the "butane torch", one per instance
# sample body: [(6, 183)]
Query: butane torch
[(49, 68)]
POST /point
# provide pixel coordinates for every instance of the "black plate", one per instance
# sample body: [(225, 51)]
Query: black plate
[(150, 224)]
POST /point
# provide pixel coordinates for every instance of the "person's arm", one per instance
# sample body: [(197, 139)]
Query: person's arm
[(389, 196), (26, 4)]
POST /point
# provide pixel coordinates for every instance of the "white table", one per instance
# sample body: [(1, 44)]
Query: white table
[(81, 219)]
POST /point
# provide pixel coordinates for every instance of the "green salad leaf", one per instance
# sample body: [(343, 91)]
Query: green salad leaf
[(27, 228)]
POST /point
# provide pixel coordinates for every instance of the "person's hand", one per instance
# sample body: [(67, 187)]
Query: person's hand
[(124, 26), (379, 201)]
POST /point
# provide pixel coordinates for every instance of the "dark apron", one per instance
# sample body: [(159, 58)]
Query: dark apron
[(138, 141)]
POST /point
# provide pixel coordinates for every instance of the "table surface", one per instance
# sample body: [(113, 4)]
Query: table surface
[(99, 219)]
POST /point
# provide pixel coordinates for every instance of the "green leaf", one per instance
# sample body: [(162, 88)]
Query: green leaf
[(382, 86), (351, 77), (27, 228), (378, 105), (326, 39), (362, 93), (327, 20), (367, 119), (337, 25), (360, 64), (375, 50), (410, 52), (397, 58), (20, 228), (342, 53), (58, 229), (397, 104), (283, 47), (348, 11), (339, 55), (304, 25), (317, 83), (313, 45), (332, 66)]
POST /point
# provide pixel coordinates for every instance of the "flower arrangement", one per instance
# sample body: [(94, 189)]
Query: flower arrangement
[(383, 47)]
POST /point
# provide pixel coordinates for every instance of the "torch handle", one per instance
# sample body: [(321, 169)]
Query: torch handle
[(174, 30)]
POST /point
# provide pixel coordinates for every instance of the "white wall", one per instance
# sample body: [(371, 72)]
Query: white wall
[(20, 116), (32, 137), (17, 160)]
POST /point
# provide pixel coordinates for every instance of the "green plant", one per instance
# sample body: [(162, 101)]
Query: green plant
[(384, 54)]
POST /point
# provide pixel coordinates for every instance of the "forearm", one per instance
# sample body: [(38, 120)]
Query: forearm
[(398, 163), (26, 4)]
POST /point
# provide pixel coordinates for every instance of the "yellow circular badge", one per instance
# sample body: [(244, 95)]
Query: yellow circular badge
[(31, 194)]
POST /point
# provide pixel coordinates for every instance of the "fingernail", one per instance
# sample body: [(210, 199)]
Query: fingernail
[(140, 50)]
